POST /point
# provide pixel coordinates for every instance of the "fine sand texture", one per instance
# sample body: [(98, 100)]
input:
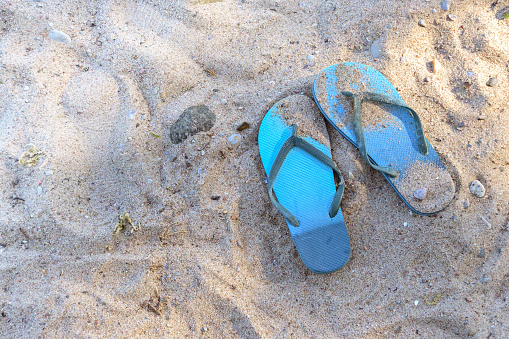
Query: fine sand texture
[(108, 229)]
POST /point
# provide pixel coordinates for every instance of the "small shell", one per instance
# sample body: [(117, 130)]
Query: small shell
[(234, 139), (60, 37), (435, 66)]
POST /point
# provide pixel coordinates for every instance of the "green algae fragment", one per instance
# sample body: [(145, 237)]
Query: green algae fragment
[(124, 221)]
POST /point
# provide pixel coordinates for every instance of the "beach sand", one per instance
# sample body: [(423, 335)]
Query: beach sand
[(97, 114)]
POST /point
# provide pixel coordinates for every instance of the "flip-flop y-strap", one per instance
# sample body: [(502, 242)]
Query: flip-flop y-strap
[(358, 98), (295, 141)]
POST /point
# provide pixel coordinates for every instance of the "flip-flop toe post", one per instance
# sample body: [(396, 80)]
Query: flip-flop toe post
[(362, 104), (295, 152)]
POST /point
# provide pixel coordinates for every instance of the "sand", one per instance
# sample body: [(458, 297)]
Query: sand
[(198, 267)]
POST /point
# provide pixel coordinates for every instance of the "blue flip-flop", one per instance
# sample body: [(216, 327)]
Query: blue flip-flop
[(295, 152), (389, 136)]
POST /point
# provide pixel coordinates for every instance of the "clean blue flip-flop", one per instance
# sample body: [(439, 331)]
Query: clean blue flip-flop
[(295, 152), (367, 110)]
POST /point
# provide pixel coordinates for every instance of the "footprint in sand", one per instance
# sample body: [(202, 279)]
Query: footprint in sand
[(101, 174)]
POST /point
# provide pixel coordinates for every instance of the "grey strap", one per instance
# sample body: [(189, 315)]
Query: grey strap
[(358, 98), (295, 141)]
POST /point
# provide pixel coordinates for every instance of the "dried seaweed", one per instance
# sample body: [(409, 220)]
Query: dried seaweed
[(125, 221), (31, 157), (434, 301)]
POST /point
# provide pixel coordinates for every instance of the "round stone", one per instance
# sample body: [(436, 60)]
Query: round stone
[(193, 120), (477, 189), (421, 193), (492, 82)]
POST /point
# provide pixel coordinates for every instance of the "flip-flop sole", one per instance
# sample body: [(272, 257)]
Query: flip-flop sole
[(304, 185), (424, 184)]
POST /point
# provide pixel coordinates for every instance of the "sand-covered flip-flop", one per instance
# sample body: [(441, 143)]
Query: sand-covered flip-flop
[(295, 151), (389, 136)]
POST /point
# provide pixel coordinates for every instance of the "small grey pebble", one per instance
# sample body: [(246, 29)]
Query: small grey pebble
[(224, 101), (451, 17), (215, 197), (433, 10), (485, 279), (446, 5), (472, 332), (477, 189), (204, 329), (421, 193), (426, 79), (60, 37), (422, 23), (376, 50), (193, 120), (492, 82), (173, 157), (481, 253), (466, 203)]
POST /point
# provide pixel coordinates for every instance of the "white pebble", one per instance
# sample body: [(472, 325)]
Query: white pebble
[(50, 172), (149, 181), (421, 193), (446, 5), (416, 302), (234, 139), (477, 189), (39, 190), (376, 49), (224, 101), (60, 37), (466, 203), (405, 224), (26, 88)]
